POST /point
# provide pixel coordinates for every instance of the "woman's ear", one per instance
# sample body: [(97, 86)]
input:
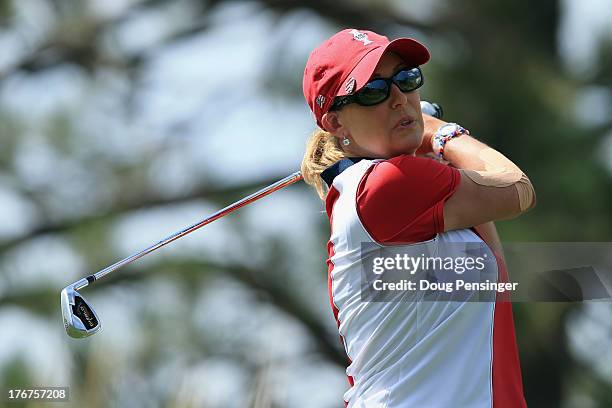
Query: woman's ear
[(330, 122)]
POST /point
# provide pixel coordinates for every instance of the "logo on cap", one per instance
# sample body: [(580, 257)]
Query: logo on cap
[(320, 101), (350, 86), (359, 36)]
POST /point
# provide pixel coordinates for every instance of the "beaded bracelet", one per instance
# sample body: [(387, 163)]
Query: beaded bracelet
[(440, 138)]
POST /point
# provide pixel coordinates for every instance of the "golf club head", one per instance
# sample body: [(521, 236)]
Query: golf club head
[(80, 320)]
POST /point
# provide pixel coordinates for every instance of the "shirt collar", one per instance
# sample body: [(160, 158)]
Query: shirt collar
[(329, 174)]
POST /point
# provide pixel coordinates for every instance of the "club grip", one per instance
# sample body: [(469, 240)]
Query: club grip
[(432, 109)]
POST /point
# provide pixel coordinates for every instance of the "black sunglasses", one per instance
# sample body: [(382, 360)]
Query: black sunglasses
[(378, 90)]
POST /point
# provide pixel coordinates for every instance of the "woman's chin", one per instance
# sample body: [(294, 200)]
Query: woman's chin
[(410, 146)]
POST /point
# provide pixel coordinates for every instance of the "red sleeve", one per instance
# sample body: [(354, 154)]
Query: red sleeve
[(401, 200)]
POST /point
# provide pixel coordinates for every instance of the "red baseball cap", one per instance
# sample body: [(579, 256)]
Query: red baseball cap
[(344, 63)]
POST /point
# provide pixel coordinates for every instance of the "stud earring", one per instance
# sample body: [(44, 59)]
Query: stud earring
[(346, 141)]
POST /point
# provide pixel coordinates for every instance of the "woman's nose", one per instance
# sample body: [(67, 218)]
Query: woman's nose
[(398, 98)]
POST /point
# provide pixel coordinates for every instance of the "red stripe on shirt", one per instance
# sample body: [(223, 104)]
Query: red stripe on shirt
[(330, 200), (507, 379)]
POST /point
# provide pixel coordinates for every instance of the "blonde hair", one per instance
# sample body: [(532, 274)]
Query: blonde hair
[(322, 150)]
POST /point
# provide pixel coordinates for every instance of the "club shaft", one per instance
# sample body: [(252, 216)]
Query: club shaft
[(291, 179), (427, 107)]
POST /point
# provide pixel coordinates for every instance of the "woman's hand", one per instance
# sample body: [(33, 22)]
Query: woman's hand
[(431, 126)]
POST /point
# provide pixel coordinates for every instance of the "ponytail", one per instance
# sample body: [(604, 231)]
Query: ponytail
[(322, 150)]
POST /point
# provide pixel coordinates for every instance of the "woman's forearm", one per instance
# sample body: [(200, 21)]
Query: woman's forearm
[(488, 167), (465, 152)]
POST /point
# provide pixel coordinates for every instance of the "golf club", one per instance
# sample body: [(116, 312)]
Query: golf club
[(80, 319)]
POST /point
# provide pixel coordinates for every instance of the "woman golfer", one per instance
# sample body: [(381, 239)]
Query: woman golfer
[(370, 161)]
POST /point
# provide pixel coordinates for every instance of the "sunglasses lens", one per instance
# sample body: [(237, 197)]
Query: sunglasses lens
[(409, 79), (377, 90), (373, 92)]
